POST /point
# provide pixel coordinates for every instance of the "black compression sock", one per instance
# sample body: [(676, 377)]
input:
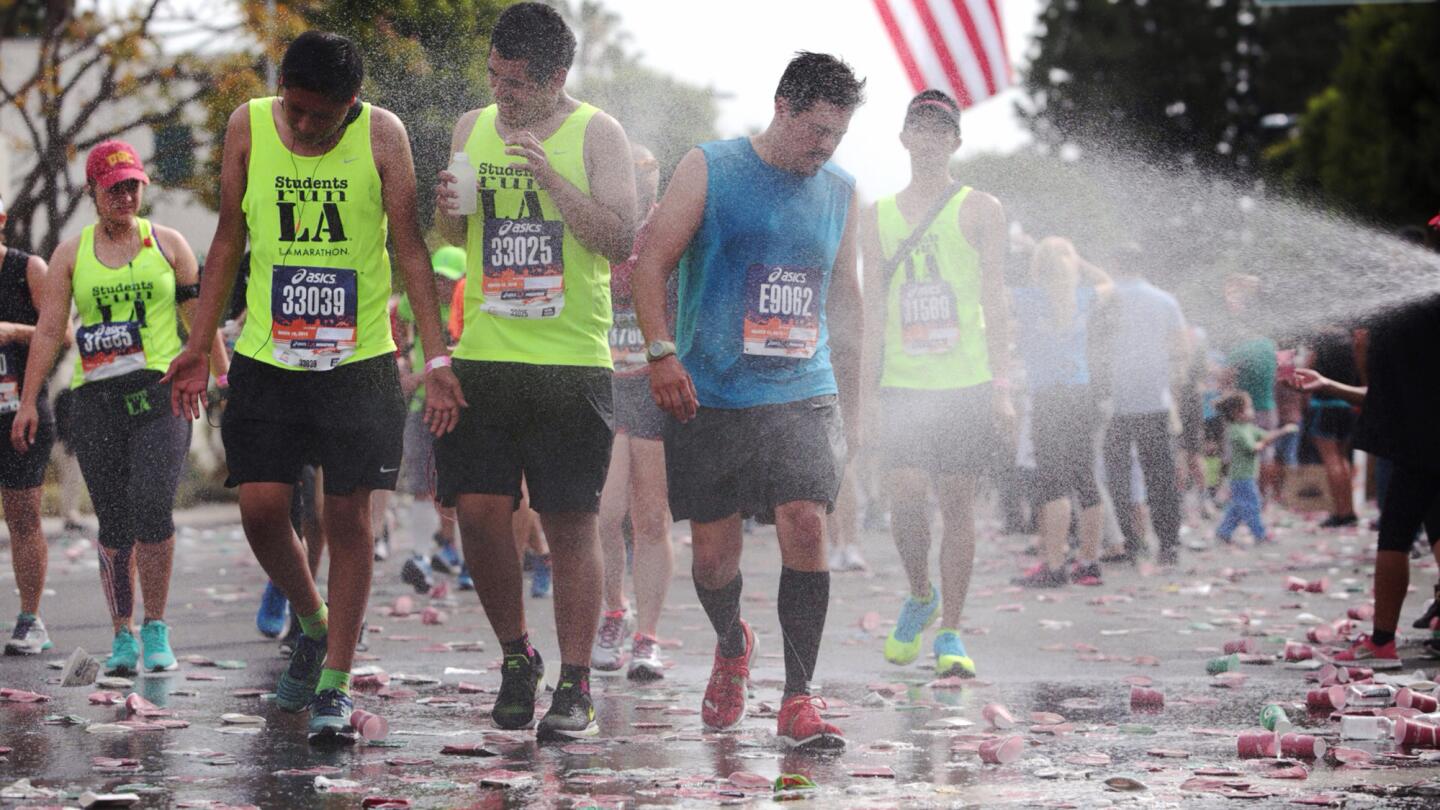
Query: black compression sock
[(722, 605), (520, 646), (1382, 637), (576, 674), (803, 601)]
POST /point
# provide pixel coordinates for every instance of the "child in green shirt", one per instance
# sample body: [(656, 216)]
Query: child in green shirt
[(1245, 441)]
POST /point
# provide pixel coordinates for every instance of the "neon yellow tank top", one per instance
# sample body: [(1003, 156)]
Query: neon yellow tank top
[(319, 274), (934, 324), (127, 314), (535, 294)]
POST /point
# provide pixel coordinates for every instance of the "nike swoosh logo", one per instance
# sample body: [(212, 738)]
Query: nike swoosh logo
[(388, 469), (349, 160)]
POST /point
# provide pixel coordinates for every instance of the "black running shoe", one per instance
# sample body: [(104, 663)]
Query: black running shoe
[(571, 715), (520, 678), (1339, 521), (1432, 612)]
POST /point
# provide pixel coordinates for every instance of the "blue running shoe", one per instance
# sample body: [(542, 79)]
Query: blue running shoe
[(270, 618), (297, 683), (951, 659), (540, 578), (124, 654), (330, 718), (464, 582), (155, 635), (446, 559), (903, 644)]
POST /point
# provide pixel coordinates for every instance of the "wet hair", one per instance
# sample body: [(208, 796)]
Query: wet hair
[(537, 34), (1232, 406), (933, 106), (324, 63), (812, 77)]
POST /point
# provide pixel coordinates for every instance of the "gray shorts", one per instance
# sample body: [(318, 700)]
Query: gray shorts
[(751, 460), (417, 463)]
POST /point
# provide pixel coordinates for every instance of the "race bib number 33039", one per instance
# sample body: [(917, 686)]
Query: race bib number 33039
[(782, 310), (312, 316), (524, 268)]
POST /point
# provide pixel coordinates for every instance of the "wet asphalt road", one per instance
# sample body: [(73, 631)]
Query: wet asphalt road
[(1071, 652)]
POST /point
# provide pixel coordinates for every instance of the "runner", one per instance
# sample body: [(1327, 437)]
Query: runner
[(935, 257), (636, 481), (763, 233), (128, 280), (313, 179), (22, 278), (557, 200)]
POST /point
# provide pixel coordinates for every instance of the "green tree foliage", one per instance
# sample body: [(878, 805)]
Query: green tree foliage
[(1368, 143), (1188, 82)]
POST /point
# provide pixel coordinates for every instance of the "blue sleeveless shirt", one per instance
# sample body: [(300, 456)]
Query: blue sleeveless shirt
[(751, 326)]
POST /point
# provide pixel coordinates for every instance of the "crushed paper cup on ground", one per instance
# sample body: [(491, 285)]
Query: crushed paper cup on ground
[(1002, 751), (997, 716)]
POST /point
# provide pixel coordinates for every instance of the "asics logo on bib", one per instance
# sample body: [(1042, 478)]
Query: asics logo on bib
[(105, 337), (304, 276), (784, 276), (511, 226)]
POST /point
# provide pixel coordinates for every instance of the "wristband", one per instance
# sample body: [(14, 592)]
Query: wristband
[(437, 362), (223, 381)]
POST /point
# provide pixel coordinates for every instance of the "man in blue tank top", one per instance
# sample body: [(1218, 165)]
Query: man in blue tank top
[(763, 233)]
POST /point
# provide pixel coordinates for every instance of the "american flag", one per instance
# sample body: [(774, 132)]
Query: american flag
[(954, 45)]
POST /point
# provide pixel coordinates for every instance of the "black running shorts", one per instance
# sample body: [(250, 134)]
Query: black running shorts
[(349, 421), (25, 470)]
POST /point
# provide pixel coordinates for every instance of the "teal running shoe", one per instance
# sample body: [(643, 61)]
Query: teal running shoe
[(951, 659), (155, 635), (124, 654), (296, 688), (330, 718), (902, 646), (270, 618)]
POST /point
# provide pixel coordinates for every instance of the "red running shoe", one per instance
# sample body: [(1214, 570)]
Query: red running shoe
[(800, 725), (1372, 655), (724, 705)]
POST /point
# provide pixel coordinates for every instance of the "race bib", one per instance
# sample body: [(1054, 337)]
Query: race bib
[(110, 349), (782, 311), (928, 324), (312, 316), (627, 343), (9, 381), (524, 268)]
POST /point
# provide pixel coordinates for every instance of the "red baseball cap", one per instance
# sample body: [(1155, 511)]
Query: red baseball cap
[(113, 162)]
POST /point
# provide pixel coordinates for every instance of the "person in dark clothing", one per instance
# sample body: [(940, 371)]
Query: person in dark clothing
[(1331, 421)]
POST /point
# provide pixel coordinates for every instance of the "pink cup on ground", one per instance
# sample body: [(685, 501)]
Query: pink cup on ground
[(1320, 634), (997, 716), (369, 726), (1319, 700), (1295, 651), (1142, 698), (1002, 751), (1302, 746), (1411, 734), (1239, 646), (1258, 744), (1409, 699)]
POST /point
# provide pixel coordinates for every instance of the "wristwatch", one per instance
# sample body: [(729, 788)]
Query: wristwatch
[(658, 350)]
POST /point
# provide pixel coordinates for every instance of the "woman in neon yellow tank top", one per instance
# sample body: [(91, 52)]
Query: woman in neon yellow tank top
[(129, 281)]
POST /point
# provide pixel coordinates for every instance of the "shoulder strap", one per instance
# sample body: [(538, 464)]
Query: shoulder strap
[(893, 262)]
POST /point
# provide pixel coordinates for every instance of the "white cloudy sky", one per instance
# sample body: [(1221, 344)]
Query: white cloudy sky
[(740, 47)]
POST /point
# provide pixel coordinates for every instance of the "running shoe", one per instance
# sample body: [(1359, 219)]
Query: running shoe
[(382, 546), (29, 636), (800, 725), (902, 646), (645, 662), (1086, 574), (520, 678), (1372, 655), (607, 654), (951, 659), (854, 560), (1432, 612), (155, 635), (270, 618), (724, 705), (124, 654), (540, 578), (1042, 576), (1339, 522), (297, 683), (446, 559), (571, 715), (463, 581), (330, 718), (416, 573)]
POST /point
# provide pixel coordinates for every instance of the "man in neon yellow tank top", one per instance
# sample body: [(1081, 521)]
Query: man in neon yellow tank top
[(935, 368), (315, 180), (556, 204)]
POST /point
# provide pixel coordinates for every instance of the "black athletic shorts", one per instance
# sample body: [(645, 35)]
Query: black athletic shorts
[(349, 421), (636, 413), (25, 470), (941, 432), (751, 460), (551, 425), (1331, 422)]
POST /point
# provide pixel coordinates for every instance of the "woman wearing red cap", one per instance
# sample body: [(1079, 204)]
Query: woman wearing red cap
[(128, 280)]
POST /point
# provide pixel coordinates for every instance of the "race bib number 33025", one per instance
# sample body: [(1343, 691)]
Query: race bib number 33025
[(782, 310), (312, 316), (524, 268)]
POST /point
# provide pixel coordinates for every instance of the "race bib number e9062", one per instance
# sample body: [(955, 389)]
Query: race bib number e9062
[(110, 349), (782, 310), (928, 322), (312, 316), (524, 268)]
